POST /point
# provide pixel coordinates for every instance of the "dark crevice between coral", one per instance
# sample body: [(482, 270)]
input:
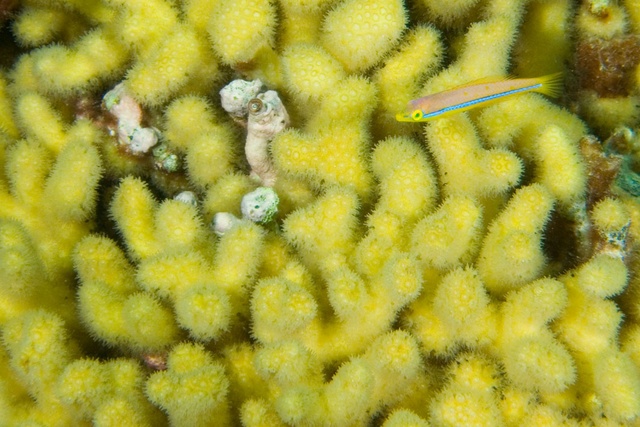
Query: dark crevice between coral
[(9, 49), (560, 244)]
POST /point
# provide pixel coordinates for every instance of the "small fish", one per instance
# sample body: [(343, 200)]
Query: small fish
[(479, 93)]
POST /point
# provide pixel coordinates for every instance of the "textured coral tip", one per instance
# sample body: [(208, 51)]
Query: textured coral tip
[(360, 32), (238, 29)]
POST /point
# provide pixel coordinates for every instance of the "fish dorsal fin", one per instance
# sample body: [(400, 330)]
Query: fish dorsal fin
[(482, 81)]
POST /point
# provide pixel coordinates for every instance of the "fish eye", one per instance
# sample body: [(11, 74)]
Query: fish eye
[(416, 115)]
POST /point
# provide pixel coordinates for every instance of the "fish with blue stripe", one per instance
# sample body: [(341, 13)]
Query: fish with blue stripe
[(478, 93)]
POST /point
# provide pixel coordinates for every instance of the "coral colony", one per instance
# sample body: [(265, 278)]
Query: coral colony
[(209, 214)]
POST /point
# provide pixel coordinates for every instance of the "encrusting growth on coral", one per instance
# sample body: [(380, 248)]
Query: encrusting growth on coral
[(209, 214), (265, 117), (136, 138), (260, 205)]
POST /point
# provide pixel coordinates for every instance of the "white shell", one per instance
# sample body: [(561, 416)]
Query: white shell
[(260, 205), (223, 222), (142, 139), (188, 197), (235, 96)]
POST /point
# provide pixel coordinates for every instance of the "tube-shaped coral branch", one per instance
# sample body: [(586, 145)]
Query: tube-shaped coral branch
[(39, 349), (96, 388), (22, 269), (193, 389), (511, 253), (181, 58), (361, 313), (458, 313), (532, 357), (373, 28), (363, 385), (458, 153), (469, 397), (450, 236), (560, 166), (109, 305), (79, 162), (324, 231)]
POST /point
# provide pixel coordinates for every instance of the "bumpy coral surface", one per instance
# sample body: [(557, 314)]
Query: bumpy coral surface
[(477, 270)]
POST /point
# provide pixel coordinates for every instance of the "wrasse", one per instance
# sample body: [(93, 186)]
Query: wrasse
[(479, 93)]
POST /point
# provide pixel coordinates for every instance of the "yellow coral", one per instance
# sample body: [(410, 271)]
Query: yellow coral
[(301, 20), (602, 275), (407, 183), (406, 278), (79, 161), (239, 30), (21, 265), (177, 224), (404, 417), (255, 413), (109, 304), (372, 28), (351, 101), (186, 118), (533, 359), (37, 26), (41, 121), (324, 158), (560, 166), (407, 190), (545, 43), (204, 310), (610, 216), (310, 71), (457, 150), (272, 322), (590, 324), (170, 66), (172, 273), (237, 259), (460, 299), (400, 77), (451, 235), (132, 208), (617, 382), (38, 350), (323, 232), (108, 392), (468, 399), (523, 118), (443, 320), (192, 389), (516, 235), (361, 385), (67, 70), (453, 13), (141, 25), (633, 10), (606, 21), (608, 113)]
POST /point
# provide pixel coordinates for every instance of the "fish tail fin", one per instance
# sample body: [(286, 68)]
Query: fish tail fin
[(551, 84)]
